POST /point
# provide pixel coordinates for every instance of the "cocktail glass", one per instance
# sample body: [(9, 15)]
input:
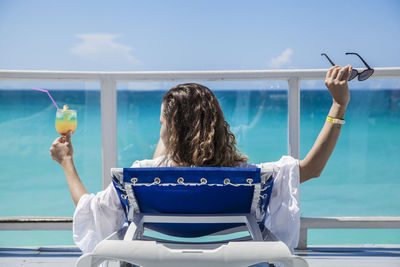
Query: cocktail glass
[(66, 120)]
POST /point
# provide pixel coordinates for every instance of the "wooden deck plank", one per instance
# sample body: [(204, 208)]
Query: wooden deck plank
[(316, 256)]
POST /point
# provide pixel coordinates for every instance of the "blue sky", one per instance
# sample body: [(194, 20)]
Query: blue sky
[(196, 35)]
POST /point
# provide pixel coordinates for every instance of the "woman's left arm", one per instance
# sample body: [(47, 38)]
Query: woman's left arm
[(313, 164)]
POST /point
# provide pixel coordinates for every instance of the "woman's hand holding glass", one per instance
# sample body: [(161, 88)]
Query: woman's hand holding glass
[(66, 121), (61, 150)]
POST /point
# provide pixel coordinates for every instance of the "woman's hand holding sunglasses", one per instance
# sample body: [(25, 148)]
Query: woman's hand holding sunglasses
[(362, 76), (336, 82)]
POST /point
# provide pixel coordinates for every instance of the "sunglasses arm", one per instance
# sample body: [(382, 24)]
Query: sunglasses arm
[(323, 54), (360, 58)]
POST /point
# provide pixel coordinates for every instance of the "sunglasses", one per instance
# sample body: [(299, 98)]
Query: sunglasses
[(362, 76)]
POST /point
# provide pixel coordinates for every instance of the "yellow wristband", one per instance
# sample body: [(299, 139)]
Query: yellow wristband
[(335, 120)]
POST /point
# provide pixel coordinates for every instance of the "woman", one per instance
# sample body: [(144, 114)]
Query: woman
[(195, 133)]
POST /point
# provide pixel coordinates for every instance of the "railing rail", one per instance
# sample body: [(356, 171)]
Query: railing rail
[(212, 75), (35, 223), (108, 95), (65, 223)]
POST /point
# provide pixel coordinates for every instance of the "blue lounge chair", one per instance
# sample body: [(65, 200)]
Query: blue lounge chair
[(193, 217)]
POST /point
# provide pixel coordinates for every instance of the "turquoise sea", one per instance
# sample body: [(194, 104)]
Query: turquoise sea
[(361, 178)]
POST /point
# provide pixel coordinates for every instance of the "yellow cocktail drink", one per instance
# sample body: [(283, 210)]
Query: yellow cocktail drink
[(66, 120)]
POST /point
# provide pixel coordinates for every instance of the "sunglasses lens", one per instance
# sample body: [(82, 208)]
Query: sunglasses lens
[(353, 74), (365, 74)]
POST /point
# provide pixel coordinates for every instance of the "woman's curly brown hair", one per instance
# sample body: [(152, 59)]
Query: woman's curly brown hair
[(197, 133)]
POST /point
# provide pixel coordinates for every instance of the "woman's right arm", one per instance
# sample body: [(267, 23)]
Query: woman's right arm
[(62, 152), (314, 162)]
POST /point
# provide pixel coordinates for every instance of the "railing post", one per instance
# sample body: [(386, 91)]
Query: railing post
[(303, 238), (108, 101), (294, 117)]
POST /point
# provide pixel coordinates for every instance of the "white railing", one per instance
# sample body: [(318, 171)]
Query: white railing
[(108, 92), (108, 95)]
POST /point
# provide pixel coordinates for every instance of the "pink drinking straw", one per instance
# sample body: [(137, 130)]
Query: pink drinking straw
[(48, 95)]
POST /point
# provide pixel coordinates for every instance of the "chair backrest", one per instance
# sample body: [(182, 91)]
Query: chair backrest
[(192, 190)]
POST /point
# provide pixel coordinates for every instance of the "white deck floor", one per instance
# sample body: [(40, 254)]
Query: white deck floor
[(316, 256)]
